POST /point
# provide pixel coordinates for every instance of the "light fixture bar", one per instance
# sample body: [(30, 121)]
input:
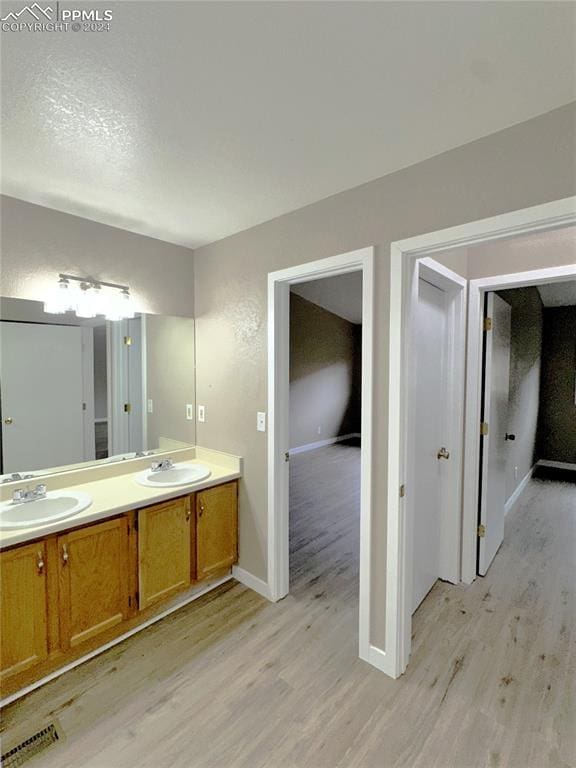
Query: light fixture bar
[(90, 281)]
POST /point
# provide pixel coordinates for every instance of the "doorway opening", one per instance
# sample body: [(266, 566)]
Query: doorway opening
[(526, 383), (279, 287), (325, 438), (448, 246)]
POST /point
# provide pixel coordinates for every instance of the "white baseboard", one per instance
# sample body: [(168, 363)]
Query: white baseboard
[(322, 443), (556, 464), (519, 490), (252, 582)]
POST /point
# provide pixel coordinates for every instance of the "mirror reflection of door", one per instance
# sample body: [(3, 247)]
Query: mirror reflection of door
[(46, 395), (126, 387)]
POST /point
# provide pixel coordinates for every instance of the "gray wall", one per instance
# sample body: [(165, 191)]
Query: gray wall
[(525, 165), (325, 352), (38, 243), (557, 427), (170, 378), (525, 366)]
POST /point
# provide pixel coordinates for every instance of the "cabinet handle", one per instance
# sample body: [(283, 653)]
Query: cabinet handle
[(65, 555), (201, 509), (187, 514), (40, 562)]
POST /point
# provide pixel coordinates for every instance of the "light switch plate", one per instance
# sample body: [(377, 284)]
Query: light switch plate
[(261, 421), (150, 405), (189, 411), (201, 413)]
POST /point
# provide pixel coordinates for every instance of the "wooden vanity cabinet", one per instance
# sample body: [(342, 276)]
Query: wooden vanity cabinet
[(165, 552), (23, 609), (93, 567), (216, 529), (69, 593)]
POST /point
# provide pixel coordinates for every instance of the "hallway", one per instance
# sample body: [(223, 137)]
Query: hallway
[(232, 681)]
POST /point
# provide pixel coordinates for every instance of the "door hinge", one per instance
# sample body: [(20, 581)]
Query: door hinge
[(484, 428), (83, 406), (287, 456), (127, 341), (127, 408), (136, 523), (487, 323), (402, 491), (481, 531)]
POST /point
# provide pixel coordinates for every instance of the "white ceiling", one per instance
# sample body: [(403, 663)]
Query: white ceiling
[(341, 295), (191, 121), (558, 294)]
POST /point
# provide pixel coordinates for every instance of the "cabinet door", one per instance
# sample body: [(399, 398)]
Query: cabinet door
[(164, 550), (216, 529), (23, 608), (93, 580)]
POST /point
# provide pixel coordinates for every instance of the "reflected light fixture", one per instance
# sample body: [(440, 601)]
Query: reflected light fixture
[(89, 298)]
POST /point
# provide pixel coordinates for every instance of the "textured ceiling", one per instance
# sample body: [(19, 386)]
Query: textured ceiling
[(191, 121)]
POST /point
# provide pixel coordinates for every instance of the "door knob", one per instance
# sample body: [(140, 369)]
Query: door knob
[(8, 420), (510, 437), (443, 453)]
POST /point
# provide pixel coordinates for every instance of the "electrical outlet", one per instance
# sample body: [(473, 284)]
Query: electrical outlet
[(261, 421), (150, 405), (319, 429), (515, 473), (201, 413), (189, 411)]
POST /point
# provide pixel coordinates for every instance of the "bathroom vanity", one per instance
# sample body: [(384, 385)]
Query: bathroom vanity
[(136, 553)]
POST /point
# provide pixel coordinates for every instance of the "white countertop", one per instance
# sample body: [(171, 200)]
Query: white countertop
[(114, 495)]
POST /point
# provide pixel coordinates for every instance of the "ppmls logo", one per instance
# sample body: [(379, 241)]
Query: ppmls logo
[(34, 10), (45, 18)]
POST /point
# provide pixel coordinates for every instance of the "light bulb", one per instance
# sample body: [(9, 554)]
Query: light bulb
[(60, 300), (89, 301), (120, 307)]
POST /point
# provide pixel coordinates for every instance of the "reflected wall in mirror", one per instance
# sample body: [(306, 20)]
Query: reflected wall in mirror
[(78, 391)]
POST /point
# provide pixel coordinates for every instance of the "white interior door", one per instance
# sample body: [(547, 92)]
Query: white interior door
[(42, 395), (494, 446), (125, 402), (431, 328)]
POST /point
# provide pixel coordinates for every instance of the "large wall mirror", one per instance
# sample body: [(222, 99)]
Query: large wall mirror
[(77, 391)]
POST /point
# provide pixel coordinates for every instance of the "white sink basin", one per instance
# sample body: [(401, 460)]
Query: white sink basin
[(56, 506), (180, 474)]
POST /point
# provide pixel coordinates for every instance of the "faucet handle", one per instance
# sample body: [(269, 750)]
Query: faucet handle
[(156, 466), (41, 489), (17, 495)]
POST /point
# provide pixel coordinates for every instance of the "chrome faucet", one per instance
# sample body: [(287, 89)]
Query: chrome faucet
[(162, 466), (16, 476), (23, 495)]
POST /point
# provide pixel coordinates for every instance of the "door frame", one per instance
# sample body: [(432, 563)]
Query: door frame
[(279, 283), (476, 292), (403, 255), (455, 288)]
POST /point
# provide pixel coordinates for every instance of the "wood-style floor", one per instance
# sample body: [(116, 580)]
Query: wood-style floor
[(235, 682)]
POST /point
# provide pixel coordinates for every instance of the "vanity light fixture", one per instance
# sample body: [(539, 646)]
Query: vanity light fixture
[(88, 298)]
